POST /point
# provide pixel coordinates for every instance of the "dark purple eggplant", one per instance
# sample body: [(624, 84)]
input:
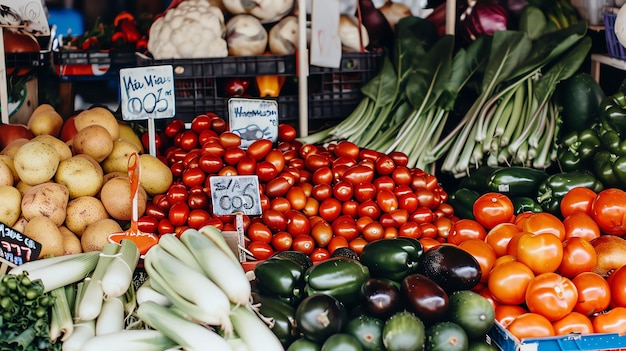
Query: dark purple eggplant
[(381, 298), (425, 298), (451, 267)]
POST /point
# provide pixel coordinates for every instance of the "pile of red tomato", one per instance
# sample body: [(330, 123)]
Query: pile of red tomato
[(314, 199), (539, 271)]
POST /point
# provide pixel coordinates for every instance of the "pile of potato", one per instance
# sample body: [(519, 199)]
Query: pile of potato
[(70, 195)]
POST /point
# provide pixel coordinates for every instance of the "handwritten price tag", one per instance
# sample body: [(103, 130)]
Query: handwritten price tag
[(253, 119), (16, 247), (232, 194), (147, 92)]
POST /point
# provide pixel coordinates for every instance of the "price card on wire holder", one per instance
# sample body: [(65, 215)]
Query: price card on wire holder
[(235, 194), (147, 93), (16, 247), (253, 119)]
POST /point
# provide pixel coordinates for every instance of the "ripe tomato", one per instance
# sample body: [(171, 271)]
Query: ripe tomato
[(213, 148), (551, 295), (319, 254), (358, 174), (258, 231), (210, 164), (578, 256), (402, 175), (201, 123), (364, 191), (541, 252), (297, 223), (330, 209), (174, 127), (286, 132), (483, 253), (282, 241), (260, 250), (410, 229), (573, 323), (229, 139), (594, 293), (370, 209), (492, 208), (499, 237), (337, 242), (444, 226), (357, 244), (296, 197), (259, 148), (275, 220), (345, 226), (303, 243), (531, 325), (311, 207), (465, 229), (608, 209), (384, 165), (322, 233), (581, 225), (544, 222), (343, 190), (277, 187), (315, 161), (322, 191), (617, 282), (508, 281), (613, 321), (232, 155), (197, 218), (350, 208), (577, 200), (276, 158), (400, 158), (179, 212), (347, 149), (373, 231), (386, 200), (505, 314), (428, 243), (323, 175)]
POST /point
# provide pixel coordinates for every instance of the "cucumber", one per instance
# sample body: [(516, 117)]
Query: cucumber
[(343, 342), (304, 344), (580, 97), (368, 331), (404, 331), (472, 312), (446, 336)]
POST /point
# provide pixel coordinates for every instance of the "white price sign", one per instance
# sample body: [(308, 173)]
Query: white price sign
[(235, 194), (147, 92), (253, 119)]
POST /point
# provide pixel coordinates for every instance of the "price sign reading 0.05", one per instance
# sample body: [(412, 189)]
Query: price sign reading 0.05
[(233, 194), (147, 92)]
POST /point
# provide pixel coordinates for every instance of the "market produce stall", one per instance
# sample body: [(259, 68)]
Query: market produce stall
[(470, 195)]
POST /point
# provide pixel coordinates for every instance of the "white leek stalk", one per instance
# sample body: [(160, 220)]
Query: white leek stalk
[(61, 322), (111, 317), (58, 273), (191, 292), (217, 237), (92, 294), (190, 335), (130, 340), (218, 266), (147, 293), (253, 331), (83, 331), (119, 274), (172, 244)]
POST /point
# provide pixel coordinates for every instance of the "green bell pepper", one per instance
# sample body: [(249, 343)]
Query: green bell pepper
[(577, 149), (280, 276), (553, 188), (339, 277), (613, 111), (610, 169), (283, 317), (525, 204), (392, 259), (462, 201)]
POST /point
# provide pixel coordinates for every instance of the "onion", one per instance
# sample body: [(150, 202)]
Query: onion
[(349, 34), (480, 18), (245, 36), (283, 38)]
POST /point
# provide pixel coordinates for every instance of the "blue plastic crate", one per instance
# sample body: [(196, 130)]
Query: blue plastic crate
[(614, 47)]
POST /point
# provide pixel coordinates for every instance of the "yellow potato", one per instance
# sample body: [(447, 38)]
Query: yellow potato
[(116, 198), (22, 187), (36, 162), (93, 140), (98, 116), (112, 175), (81, 175), (11, 148), (45, 121), (83, 211), (11, 205), (44, 231), (8, 160), (47, 199), (6, 175), (96, 235), (71, 242), (155, 177), (117, 161), (128, 133), (62, 148), (20, 225)]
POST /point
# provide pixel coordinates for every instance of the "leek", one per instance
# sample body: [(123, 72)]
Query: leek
[(61, 322), (147, 293), (253, 331), (83, 331), (130, 340), (189, 335), (172, 244), (119, 273), (93, 295), (217, 237), (111, 317)]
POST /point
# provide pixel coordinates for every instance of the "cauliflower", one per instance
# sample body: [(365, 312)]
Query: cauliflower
[(193, 29)]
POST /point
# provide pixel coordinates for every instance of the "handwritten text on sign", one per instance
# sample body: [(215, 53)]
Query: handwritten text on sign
[(147, 92), (253, 119), (232, 194), (16, 247)]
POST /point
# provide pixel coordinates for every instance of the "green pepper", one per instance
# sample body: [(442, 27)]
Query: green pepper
[(610, 169), (392, 259), (525, 204), (283, 317), (577, 149), (462, 201), (553, 188), (512, 181), (339, 277), (613, 111), (280, 276)]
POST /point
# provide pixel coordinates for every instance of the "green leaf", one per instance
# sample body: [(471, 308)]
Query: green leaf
[(509, 50), (381, 88), (532, 21)]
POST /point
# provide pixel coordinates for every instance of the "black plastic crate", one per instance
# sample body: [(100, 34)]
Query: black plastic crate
[(333, 92), (28, 59), (92, 64)]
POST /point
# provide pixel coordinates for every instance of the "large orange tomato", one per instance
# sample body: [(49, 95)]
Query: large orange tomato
[(483, 253), (465, 229), (578, 256), (573, 322), (581, 225), (577, 200), (608, 209), (551, 295), (617, 281), (499, 236), (493, 208), (544, 222), (594, 293), (531, 325), (508, 281), (541, 252), (505, 314), (613, 321)]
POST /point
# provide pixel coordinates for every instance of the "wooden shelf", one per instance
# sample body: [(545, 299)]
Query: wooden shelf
[(603, 59)]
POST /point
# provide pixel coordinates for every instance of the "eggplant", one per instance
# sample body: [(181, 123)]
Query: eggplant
[(425, 298), (451, 267), (381, 298), (319, 316)]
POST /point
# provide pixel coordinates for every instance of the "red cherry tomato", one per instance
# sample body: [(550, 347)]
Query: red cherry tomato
[(259, 149), (286, 132)]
